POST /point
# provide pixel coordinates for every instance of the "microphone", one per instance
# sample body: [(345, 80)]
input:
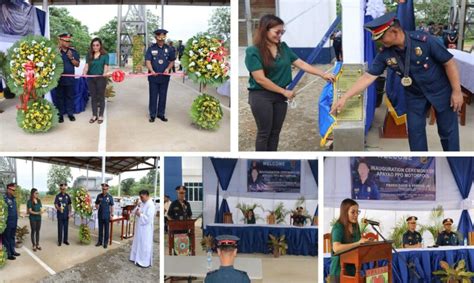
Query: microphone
[(371, 222)]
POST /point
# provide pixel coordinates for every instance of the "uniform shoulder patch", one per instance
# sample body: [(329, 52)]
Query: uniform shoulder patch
[(419, 35), (212, 272)]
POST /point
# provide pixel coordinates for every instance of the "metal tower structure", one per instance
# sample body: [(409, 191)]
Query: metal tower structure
[(462, 17), (8, 172), (133, 22)]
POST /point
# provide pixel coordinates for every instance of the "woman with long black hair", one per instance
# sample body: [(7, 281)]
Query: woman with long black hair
[(345, 234), (34, 208), (269, 62), (97, 63)]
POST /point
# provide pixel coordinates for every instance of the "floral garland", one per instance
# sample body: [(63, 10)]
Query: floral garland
[(206, 112), (3, 256), (205, 60), (47, 63), (3, 214), (40, 116), (84, 234), (81, 201)]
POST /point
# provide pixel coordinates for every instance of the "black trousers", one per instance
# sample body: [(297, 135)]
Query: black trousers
[(104, 231), (269, 110), (97, 92), (35, 232), (65, 99), (63, 225)]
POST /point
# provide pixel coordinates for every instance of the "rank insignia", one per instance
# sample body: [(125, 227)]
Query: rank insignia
[(160, 62)]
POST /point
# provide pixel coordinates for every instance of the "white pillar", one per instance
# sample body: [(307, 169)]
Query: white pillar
[(353, 31), (119, 31), (120, 184), (162, 14), (32, 172), (103, 169), (46, 9), (155, 180)]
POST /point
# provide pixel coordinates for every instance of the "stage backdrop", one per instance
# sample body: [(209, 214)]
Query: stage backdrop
[(338, 184), (393, 178), (238, 190)]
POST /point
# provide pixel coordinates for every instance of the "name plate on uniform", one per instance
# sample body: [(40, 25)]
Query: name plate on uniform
[(354, 107)]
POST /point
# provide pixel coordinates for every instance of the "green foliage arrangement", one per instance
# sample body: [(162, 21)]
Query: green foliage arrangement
[(206, 112), (277, 245), (40, 117), (455, 274)]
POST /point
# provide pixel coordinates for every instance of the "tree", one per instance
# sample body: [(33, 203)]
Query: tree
[(108, 32), (126, 186), (219, 23), (61, 21), (57, 174), (436, 11)]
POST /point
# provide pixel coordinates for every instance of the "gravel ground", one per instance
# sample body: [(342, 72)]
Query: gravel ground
[(112, 266), (300, 131)]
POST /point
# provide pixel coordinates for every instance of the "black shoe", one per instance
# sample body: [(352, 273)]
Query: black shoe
[(151, 120), (98, 244), (105, 246), (11, 257), (163, 118), (59, 244), (66, 243), (72, 118), (16, 254), (61, 119)]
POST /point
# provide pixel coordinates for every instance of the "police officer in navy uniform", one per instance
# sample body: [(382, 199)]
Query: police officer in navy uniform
[(62, 202), (449, 237), (180, 49), (428, 73), (105, 204), (411, 238), (159, 58), (227, 251), (65, 88), (12, 220), (180, 209), (364, 186)]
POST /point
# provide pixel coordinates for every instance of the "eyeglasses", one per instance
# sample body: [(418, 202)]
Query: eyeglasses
[(279, 32), (412, 223), (181, 193), (448, 224)]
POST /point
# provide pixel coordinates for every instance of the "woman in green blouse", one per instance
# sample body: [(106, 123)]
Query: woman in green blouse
[(269, 62), (34, 208), (97, 63), (345, 234)]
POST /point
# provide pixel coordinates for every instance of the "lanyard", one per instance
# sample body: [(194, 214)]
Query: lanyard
[(405, 67)]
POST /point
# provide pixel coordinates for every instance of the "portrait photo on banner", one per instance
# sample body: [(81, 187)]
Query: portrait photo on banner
[(278, 176)]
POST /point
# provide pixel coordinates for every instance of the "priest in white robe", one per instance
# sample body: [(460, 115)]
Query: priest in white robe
[(142, 247)]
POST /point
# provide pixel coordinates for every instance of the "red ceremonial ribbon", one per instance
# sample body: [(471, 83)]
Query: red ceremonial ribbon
[(119, 75), (28, 86)]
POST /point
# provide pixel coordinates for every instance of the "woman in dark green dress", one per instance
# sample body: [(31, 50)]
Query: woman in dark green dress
[(345, 234), (34, 208)]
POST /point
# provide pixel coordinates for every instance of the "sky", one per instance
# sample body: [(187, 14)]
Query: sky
[(182, 22), (41, 175)]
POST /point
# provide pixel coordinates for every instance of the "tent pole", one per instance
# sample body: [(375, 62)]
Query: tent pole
[(155, 181), (32, 172), (103, 169)]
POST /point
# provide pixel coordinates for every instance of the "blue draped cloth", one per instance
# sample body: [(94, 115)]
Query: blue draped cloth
[(81, 95), (462, 168), (369, 55), (254, 238), (313, 164), (224, 168), (426, 261)]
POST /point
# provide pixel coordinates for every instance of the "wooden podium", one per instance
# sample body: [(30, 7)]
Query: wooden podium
[(365, 253), (180, 226)]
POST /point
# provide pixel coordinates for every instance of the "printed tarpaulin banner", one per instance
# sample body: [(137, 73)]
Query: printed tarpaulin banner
[(326, 120), (275, 176), (393, 178)]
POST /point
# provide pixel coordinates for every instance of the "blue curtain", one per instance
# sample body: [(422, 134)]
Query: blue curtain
[(41, 15), (224, 168), (462, 172), (313, 164), (369, 55)]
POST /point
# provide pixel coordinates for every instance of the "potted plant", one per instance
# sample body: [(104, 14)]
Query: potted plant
[(20, 236), (278, 214), (277, 245), (207, 243), (436, 218), (455, 274), (245, 208)]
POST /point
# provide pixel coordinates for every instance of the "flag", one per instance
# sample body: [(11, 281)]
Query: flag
[(326, 120)]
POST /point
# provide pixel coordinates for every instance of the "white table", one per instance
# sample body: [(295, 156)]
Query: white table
[(196, 266), (465, 62)]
